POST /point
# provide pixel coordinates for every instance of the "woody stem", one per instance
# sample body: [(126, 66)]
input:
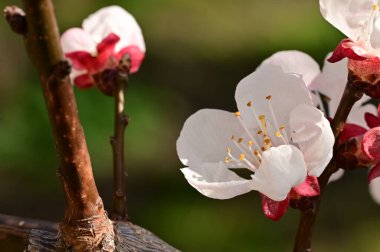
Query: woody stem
[(351, 95), (119, 208)]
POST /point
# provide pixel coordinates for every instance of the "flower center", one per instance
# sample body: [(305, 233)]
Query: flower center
[(259, 140)]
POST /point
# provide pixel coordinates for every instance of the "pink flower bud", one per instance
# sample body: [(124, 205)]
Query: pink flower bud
[(106, 38)]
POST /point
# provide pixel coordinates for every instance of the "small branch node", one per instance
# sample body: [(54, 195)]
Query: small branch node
[(16, 19), (125, 120), (61, 69), (112, 140)]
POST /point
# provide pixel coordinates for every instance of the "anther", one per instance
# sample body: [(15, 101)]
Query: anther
[(278, 134), (267, 143), (228, 150), (227, 160), (237, 114), (375, 7), (257, 154), (259, 132), (250, 143), (242, 157), (249, 104), (232, 137), (268, 97), (263, 124), (240, 140)]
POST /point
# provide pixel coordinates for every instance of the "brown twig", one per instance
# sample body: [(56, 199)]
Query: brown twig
[(21, 227), (119, 206), (85, 224), (352, 94)]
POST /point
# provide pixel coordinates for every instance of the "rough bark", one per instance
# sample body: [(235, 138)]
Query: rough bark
[(128, 238), (85, 225)]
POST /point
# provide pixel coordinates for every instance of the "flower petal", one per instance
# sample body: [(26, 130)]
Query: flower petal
[(374, 189), (114, 19), (106, 49), (372, 120), (270, 80), (76, 39), (281, 168), (205, 136), (295, 62), (347, 16), (313, 134), (348, 49), (309, 188), (214, 180), (331, 84), (336, 175), (84, 81), (351, 130), (136, 55), (374, 173), (82, 60), (371, 143), (274, 210)]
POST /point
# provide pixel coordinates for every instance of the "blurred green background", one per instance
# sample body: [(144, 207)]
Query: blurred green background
[(197, 51)]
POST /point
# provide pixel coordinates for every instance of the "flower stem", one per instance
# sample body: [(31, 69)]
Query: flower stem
[(85, 223), (351, 95), (119, 206)]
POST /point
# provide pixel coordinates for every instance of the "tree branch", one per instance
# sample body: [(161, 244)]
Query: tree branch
[(21, 227), (119, 208), (85, 224), (42, 235), (128, 237), (352, 94)]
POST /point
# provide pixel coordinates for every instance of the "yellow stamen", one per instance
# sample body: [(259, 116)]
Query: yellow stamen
[(249, 104), (267, 143), (263, 148), (242, 157), (263, 124), (259, 132), (240, 140), (282, 127), (278, 134), (268, 97), (228, 150), (227, 160), (250, 143), (256, 152), (237, 114), (375, 7)]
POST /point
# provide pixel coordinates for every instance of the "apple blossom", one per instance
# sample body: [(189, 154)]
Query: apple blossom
[(105, 38), (360, 22), (277, 134)]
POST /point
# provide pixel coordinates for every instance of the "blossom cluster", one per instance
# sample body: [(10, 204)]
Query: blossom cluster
[(280, 132)]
